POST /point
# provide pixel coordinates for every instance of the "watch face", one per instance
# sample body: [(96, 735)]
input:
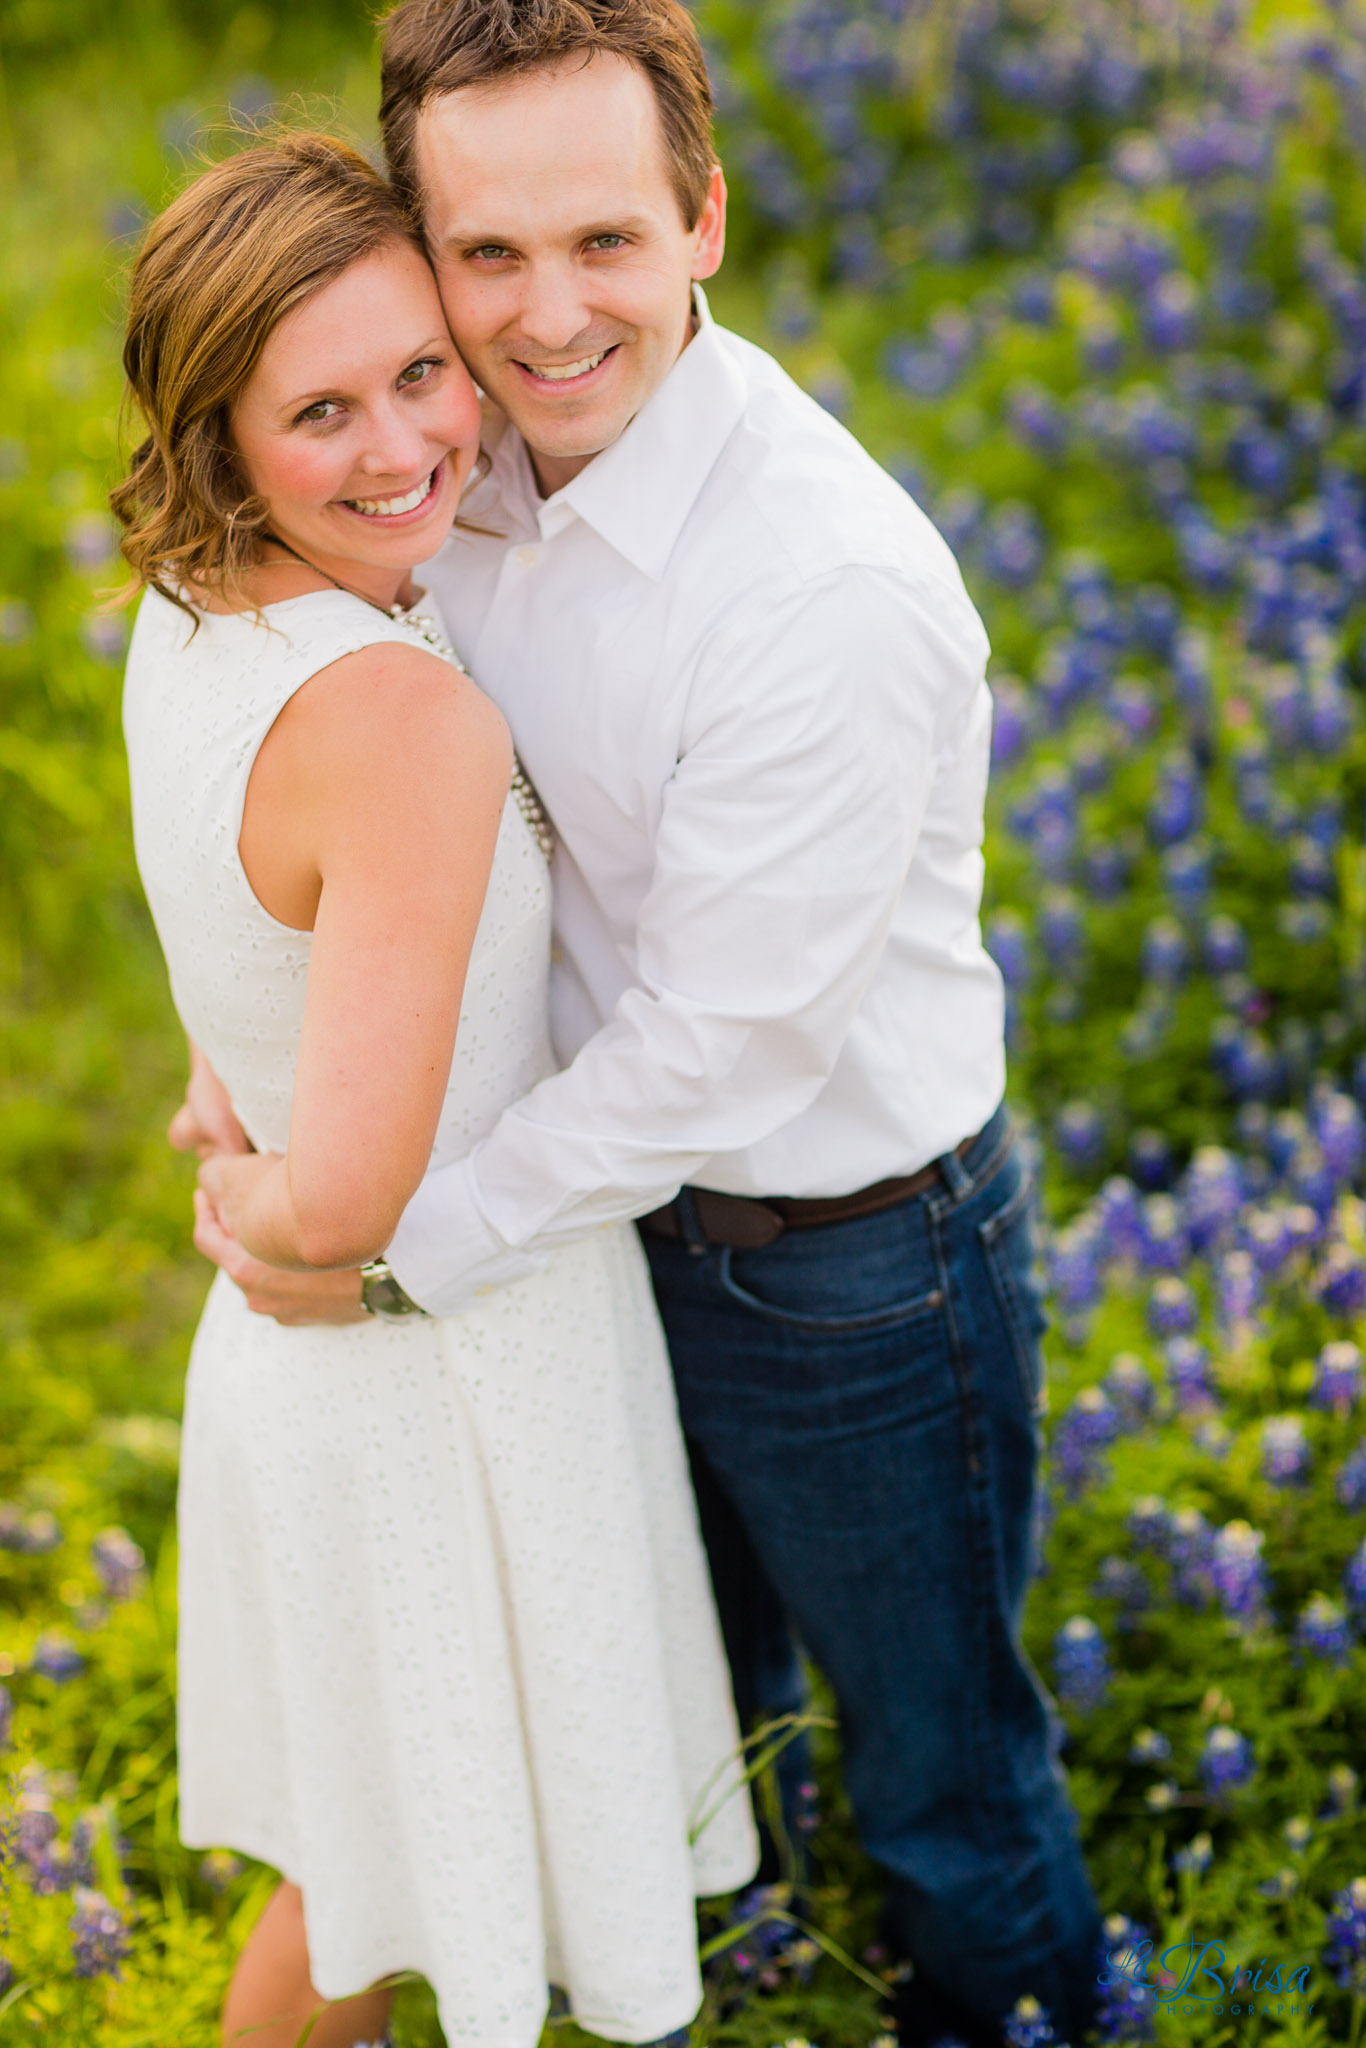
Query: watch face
[(382, 1295)]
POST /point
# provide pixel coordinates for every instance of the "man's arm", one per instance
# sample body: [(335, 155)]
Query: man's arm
[(786, 834)]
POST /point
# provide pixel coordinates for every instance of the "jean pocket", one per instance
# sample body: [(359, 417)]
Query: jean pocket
[(1007, 1241), (856, 1321)]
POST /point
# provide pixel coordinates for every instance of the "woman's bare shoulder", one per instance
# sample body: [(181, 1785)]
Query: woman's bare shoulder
[(391, 701)]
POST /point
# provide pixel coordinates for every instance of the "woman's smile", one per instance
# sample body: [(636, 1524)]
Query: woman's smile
[(401, 508)]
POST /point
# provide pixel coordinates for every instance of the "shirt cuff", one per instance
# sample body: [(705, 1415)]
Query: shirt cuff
[(444, 1254)]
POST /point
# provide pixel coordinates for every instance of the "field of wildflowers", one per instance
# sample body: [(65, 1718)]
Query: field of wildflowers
[(1091, 278)]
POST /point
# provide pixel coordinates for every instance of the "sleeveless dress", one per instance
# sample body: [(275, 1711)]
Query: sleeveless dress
[(448, 1659)]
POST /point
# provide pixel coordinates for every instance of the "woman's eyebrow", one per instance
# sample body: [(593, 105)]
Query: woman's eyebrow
[(441, 339)]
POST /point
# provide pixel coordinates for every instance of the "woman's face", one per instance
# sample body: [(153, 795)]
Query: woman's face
[(360, 424)]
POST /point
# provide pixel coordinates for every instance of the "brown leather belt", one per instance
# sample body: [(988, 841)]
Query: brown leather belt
[(748, 1223)]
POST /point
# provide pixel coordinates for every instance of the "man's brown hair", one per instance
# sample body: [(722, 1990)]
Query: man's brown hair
[(437, 46)]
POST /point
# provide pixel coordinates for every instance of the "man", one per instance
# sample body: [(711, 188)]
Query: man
[(741, 669)]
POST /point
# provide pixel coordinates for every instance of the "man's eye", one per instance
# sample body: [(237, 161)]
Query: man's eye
[(608, 242), (490, 251)]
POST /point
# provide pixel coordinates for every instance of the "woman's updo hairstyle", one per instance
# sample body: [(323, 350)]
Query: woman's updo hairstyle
[(250, 239)]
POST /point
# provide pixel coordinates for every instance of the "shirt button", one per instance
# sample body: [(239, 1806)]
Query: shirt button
[(525, 557)]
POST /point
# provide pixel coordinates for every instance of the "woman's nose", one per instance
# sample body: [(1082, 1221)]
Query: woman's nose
[(397, 447)]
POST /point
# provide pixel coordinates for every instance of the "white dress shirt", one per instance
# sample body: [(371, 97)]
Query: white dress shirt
[(740, 666)]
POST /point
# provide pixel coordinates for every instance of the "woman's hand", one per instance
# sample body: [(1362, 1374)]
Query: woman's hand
[(239, 1188), (206, 1122)]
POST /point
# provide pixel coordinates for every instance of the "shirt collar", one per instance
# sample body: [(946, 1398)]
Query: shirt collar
[(638, 492)]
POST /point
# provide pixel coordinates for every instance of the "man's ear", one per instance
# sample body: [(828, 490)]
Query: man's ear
[(709, 236)]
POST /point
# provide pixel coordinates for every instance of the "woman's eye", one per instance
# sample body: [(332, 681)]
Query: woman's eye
[(417, 373), (322, 409)]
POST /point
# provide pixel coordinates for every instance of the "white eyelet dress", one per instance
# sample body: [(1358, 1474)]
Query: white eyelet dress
[(448, 1659)]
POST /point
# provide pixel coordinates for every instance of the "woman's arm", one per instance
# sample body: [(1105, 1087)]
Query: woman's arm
[(371, 818)]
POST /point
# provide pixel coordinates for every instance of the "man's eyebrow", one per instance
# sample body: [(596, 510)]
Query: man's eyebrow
[(475, 238)]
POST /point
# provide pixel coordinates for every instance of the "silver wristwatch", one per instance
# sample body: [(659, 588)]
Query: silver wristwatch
[(381, 1295)]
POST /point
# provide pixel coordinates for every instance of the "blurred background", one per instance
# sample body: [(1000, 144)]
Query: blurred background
[(1091, 280)]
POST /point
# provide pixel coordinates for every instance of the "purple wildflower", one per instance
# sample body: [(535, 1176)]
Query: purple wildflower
[(119, 1563), (35, 1535), (1237, 1572), (37, 1827), (1351, 1480), (1196, 1856), (1028, 2026), (99, 1937), (6, 1716), (1267, 1237), (1226, 1762), (1149, 1747), (1188, 1375), (1337, 1377), (1189, 1542), (1150, 1155), (1341, 1132), (1240, 1290), (56, 1657), (1304, 1226), (1125, 1582), (1166, 1247), (1089, 1427), (1214, 1193), (1340, 1281), (1127, 1999), (1285, 1450), (1149, 1522), (1120, 1214), (1081, 1663), (1079, 1134), (1130, 1389), (1225, 945), (1322, 1630), (1172, 1309), (1075, 1266), (1345, 1953)]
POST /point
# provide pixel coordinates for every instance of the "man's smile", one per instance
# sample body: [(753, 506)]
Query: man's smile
[(565, 376)]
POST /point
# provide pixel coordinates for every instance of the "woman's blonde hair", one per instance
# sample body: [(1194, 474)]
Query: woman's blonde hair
[(251, 238)]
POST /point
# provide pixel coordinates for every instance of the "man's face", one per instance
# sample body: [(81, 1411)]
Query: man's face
[(564, 261)]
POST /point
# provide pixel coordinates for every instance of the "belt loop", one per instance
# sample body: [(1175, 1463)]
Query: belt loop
[(954, 1175), (689, 1224)]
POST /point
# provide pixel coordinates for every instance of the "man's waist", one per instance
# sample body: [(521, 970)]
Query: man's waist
[(707, 1216)]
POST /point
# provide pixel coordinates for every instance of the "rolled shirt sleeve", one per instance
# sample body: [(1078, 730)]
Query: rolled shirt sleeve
[(785, 836)]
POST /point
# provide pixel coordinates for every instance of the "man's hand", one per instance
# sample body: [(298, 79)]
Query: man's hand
[(292, 1298), (205, 1123)]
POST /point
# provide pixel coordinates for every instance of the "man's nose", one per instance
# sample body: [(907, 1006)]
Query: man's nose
[(553, 311)]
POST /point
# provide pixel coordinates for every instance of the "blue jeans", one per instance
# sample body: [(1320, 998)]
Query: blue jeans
[(861, 1405)]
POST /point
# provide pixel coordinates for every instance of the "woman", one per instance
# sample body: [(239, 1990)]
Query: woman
[(447, 1655)]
